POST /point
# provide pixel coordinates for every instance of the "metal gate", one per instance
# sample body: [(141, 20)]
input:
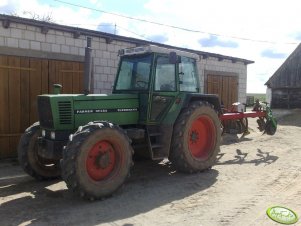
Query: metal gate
[(21, 80)]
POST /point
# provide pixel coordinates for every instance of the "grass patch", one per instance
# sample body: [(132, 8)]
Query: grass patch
[(260, 96)]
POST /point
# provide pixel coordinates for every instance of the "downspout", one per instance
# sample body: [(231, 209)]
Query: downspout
[(87, 66)]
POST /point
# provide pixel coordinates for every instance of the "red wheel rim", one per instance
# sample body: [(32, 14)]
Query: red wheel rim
[(101, 160), (202, 137)]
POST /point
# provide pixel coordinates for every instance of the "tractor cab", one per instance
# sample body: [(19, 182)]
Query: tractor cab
[(158, 76)]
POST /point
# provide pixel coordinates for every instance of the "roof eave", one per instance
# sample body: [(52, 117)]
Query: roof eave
[(6, 19)]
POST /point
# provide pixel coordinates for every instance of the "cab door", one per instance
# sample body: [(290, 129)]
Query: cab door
[(164, 88)]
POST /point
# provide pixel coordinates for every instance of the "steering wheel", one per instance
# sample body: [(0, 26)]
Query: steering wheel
[(141, 84)]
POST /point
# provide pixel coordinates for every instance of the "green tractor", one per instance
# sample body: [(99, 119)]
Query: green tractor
[(155, 110)]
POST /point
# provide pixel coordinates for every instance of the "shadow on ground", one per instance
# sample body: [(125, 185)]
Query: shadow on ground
[(240, 158), (150, 186), (233, 138)]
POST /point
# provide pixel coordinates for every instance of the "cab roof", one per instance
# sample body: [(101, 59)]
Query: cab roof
[(155, 49)]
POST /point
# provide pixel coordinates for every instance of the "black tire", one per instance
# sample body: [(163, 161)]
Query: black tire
[(270, 129), (196, 138), (30, 161), (97, 160)]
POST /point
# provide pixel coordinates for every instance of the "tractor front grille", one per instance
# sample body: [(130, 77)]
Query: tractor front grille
[(45, 112), (65, 112)]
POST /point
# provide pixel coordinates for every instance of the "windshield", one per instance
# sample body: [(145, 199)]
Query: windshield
[(134, 73)]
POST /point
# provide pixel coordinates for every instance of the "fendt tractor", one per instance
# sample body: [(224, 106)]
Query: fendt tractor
[(155, 110)]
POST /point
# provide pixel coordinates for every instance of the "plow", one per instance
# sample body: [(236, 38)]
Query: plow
[(236, 122)]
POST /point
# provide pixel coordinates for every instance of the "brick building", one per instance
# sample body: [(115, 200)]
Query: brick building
[(34, 55)]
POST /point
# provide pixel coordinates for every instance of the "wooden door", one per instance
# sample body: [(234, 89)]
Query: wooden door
[(68, 74), (21, 80), (226, 87)]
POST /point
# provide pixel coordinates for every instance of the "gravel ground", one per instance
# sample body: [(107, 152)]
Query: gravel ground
[(252, 174)]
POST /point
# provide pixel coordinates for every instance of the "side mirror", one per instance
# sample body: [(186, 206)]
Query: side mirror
[(174, 58)]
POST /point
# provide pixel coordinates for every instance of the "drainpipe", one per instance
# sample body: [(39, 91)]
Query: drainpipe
[(87, 66)]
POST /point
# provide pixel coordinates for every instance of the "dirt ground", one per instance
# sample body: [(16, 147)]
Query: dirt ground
[(252, 174)]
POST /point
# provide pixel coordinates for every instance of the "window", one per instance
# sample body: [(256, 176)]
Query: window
[(165, 75), (134, 73), (187, 75)]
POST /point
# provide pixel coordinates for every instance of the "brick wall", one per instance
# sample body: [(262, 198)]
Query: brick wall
[(31, 40)]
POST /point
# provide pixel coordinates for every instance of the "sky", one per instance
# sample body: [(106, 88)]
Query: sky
[(264, 31)]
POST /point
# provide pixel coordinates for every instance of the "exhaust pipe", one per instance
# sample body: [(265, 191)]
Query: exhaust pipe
[(87, 66)]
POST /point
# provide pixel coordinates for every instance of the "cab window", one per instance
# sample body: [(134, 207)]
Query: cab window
[(134, 73), (187, 75), (164, 75)]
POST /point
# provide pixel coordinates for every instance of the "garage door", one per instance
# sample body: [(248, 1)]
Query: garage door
[(226, 87), (21, 80)]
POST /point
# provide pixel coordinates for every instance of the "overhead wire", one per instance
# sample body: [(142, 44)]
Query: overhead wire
[(175, 27), (142, 36), (113, 25)]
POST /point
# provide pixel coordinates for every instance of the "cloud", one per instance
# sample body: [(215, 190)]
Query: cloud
[(298, 36), (270, 53), (214, 41), (158, 38), (107, 27), (8, 7)]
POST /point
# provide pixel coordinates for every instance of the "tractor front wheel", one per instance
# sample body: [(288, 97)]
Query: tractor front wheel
[(196, 138), (31, 162), (97, 160)]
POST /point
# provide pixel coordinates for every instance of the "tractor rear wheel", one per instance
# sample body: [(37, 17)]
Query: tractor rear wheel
[(31, 162), (196, 138), (97, 160)]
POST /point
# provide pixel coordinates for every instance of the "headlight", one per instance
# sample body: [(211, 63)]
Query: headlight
[(43, 133), (52, 135)]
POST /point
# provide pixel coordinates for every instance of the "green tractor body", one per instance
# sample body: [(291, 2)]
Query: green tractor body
[(68, 112), (156, 110), (61, 115)]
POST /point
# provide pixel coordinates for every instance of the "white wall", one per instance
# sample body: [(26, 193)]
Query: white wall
[(269, 95)]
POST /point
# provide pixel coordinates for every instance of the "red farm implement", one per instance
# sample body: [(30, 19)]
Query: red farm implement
[(235, 120)]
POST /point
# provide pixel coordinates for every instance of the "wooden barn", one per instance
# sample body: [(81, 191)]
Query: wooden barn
[(284, 87)]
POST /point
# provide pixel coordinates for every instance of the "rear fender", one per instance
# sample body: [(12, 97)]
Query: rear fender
[(210, 98)]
